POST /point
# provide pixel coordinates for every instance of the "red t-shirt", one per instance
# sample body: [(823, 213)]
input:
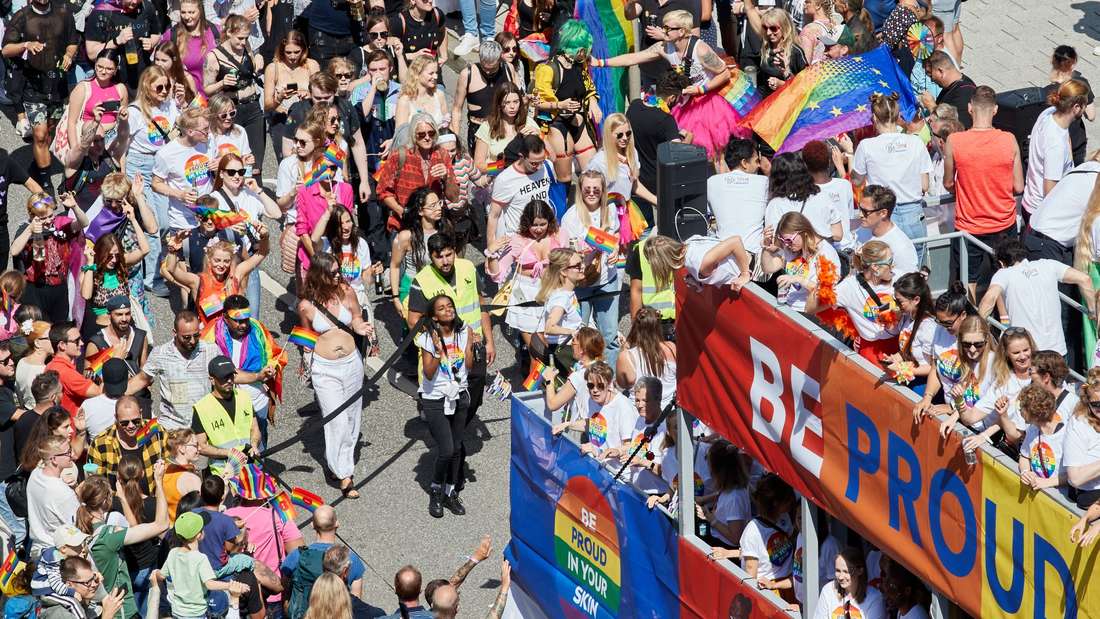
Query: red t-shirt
[(74, 385), (983, 180)]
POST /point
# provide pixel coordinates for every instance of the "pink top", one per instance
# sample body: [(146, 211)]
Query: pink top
[(98, 94), (521, 251), (258, 521), (311, 205), (194, 54)]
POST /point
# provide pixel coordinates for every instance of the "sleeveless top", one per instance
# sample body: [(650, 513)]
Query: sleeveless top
[(96, 95), (689, 63), (133, 354), (667, 377), (480, 101), (216, 291), (246, 74), (172, 494), (408, 264), (321, 323), (104, 289), (441, 115), (418, 35)]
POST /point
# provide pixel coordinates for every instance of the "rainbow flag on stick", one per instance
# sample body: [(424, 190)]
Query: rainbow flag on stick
[(9, 568), (96, 361), (211, 305), (147, 432), (253, 482), (601, 239), (535, 377), (222, 219), (494, 168), (303, 336), (829, 98), (305, 499), (283, 507)]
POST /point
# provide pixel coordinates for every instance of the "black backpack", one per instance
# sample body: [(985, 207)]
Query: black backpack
[(307, 572)]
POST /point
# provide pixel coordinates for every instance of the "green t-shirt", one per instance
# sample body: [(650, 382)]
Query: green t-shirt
[(188, 570), (107, 553)]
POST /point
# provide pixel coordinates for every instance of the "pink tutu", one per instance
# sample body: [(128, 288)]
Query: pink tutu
[(711, 120)]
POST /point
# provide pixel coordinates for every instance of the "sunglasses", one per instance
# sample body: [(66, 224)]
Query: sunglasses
[(596, 386), (975, 345), (864, 212), (591, 191), (110, 202), (884, 263), (190, 337), (343, 75), (787, 239), (625, 135), (301, 142), (671, 28), (228, 115), (772, 28), (946, 323), (233, 171), (573, 266), (129, 422), (7, 360), (508, 50), (160, 88), (420, 135), (378, 35)]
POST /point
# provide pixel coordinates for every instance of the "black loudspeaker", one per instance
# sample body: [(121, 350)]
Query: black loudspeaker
[(682, 172), (1017, 111)]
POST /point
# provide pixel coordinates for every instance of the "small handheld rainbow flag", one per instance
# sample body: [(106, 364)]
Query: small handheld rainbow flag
[(601, 239), (146, 434), (254, 483), (222, 219), (211, 305), (303, 336), (9, 568), (305, 499), (535, 377), (283, 507), (96, 361), (494, 168)]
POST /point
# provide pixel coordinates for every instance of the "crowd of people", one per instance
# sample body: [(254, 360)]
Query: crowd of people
[(124, 460)]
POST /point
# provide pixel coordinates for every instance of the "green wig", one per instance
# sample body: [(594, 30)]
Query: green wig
[(572, 38)]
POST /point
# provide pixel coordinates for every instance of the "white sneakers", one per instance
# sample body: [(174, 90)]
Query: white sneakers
[(467, 43)]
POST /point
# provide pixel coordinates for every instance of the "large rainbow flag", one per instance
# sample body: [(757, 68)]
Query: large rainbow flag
[(612, 35), (829, 98)]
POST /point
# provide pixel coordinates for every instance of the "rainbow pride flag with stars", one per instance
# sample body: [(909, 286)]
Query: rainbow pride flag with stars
[(829, 98), (148, 432), (96, 361)]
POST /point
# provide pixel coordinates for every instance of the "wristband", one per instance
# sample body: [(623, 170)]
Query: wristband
[(471, 559), (703, 89), (88, 267)]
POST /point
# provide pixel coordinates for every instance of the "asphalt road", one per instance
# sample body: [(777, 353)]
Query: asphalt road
[(389, 525)]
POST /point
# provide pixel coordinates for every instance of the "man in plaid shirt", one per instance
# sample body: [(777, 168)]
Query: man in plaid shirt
[(121, 439)]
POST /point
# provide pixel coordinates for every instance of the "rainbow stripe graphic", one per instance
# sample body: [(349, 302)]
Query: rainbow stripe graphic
[(283, 507), (305, 499), (612, 35), (253, 482), (211, 305), (9, 568), (741, 92), (303, 336), (222, 219), (829, 98), (601, 240), (96, 361), (495, 168), (535, 377), (147, 432)]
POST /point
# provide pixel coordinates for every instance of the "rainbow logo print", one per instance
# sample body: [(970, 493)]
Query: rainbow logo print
[(586, 551), (1043, 461), (228, 149), (780, 547), (597, 430), (197, 170), (948, 365), (350, 267), (155, 137), (871, 310), (798, 267)]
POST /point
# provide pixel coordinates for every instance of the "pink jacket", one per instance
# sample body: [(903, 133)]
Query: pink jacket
[(311, 205)]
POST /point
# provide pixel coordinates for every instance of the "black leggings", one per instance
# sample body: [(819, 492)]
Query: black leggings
[(251, 118), (447, 431)]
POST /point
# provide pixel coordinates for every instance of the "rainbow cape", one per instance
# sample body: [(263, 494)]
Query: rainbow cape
[(535, 377), (303, 336), (283, 507), (305, 499), (601, 240), (535, 47), (260, 350), (9, 569), (222, 219), (96, 361), (612, 35), (829, 98), (148, 432)]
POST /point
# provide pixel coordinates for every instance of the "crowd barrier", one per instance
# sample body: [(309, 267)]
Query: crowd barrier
[(808, 408)]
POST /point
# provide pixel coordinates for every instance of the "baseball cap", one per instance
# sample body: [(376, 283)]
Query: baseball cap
[(115, 375), (117, 302), (68, 535), (841, 36), (221, 367), (188, 525)]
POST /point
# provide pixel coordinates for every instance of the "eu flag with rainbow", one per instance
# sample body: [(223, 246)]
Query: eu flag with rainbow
[(829, 98)]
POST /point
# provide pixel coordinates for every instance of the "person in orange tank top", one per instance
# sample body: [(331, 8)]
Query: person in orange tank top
[(180, 476)]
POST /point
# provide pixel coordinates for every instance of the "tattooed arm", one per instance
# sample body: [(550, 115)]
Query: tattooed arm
[(484, 548), (715, 68), (497, 608)]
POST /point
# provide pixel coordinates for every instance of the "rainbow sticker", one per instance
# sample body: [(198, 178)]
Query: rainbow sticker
[(586, 550), (197, 170)]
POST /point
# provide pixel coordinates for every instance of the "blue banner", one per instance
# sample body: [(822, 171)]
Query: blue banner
[(583, 545)]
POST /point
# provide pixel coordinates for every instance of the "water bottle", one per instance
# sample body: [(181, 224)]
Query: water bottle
[(38, 246), (969, 455)]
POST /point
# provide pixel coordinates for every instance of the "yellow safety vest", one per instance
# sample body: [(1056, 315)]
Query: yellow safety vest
[(466, 298), (222, 431), (664, 301)]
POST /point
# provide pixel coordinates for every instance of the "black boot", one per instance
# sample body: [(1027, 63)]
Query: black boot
[(435, 503), (454, 504)]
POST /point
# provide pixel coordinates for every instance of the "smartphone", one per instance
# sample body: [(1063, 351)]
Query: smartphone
[(111, 106), (247, 171), (293, 86)]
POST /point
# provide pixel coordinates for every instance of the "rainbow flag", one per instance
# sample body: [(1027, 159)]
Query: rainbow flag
[(495, 167), (632, 223), (252, 481), (222, 219), (147, 432), (741, 92), (9, 568), (305, 499), (283, 507), (96, 361), (535, 47), (535, 377), (612, 35), (211, 305), (601, 240), (829, 98), (303, 336)]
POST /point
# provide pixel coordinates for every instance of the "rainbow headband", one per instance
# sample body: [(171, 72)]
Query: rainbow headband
[(242, 313)]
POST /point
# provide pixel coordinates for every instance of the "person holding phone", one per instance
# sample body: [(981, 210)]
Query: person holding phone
[(99, 98)]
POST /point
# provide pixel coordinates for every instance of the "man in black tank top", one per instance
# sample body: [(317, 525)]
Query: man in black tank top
[(477, 84), (121, 329)]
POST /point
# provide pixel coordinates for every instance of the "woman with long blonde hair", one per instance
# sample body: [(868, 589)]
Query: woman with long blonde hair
[(561, 313), (193, 37), (809, 263), (998, 408), (33, 363), (1082, 442), (329, 598), (618, 159), (825, 20), (780, 55), (1086, 258), (420, 94)]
